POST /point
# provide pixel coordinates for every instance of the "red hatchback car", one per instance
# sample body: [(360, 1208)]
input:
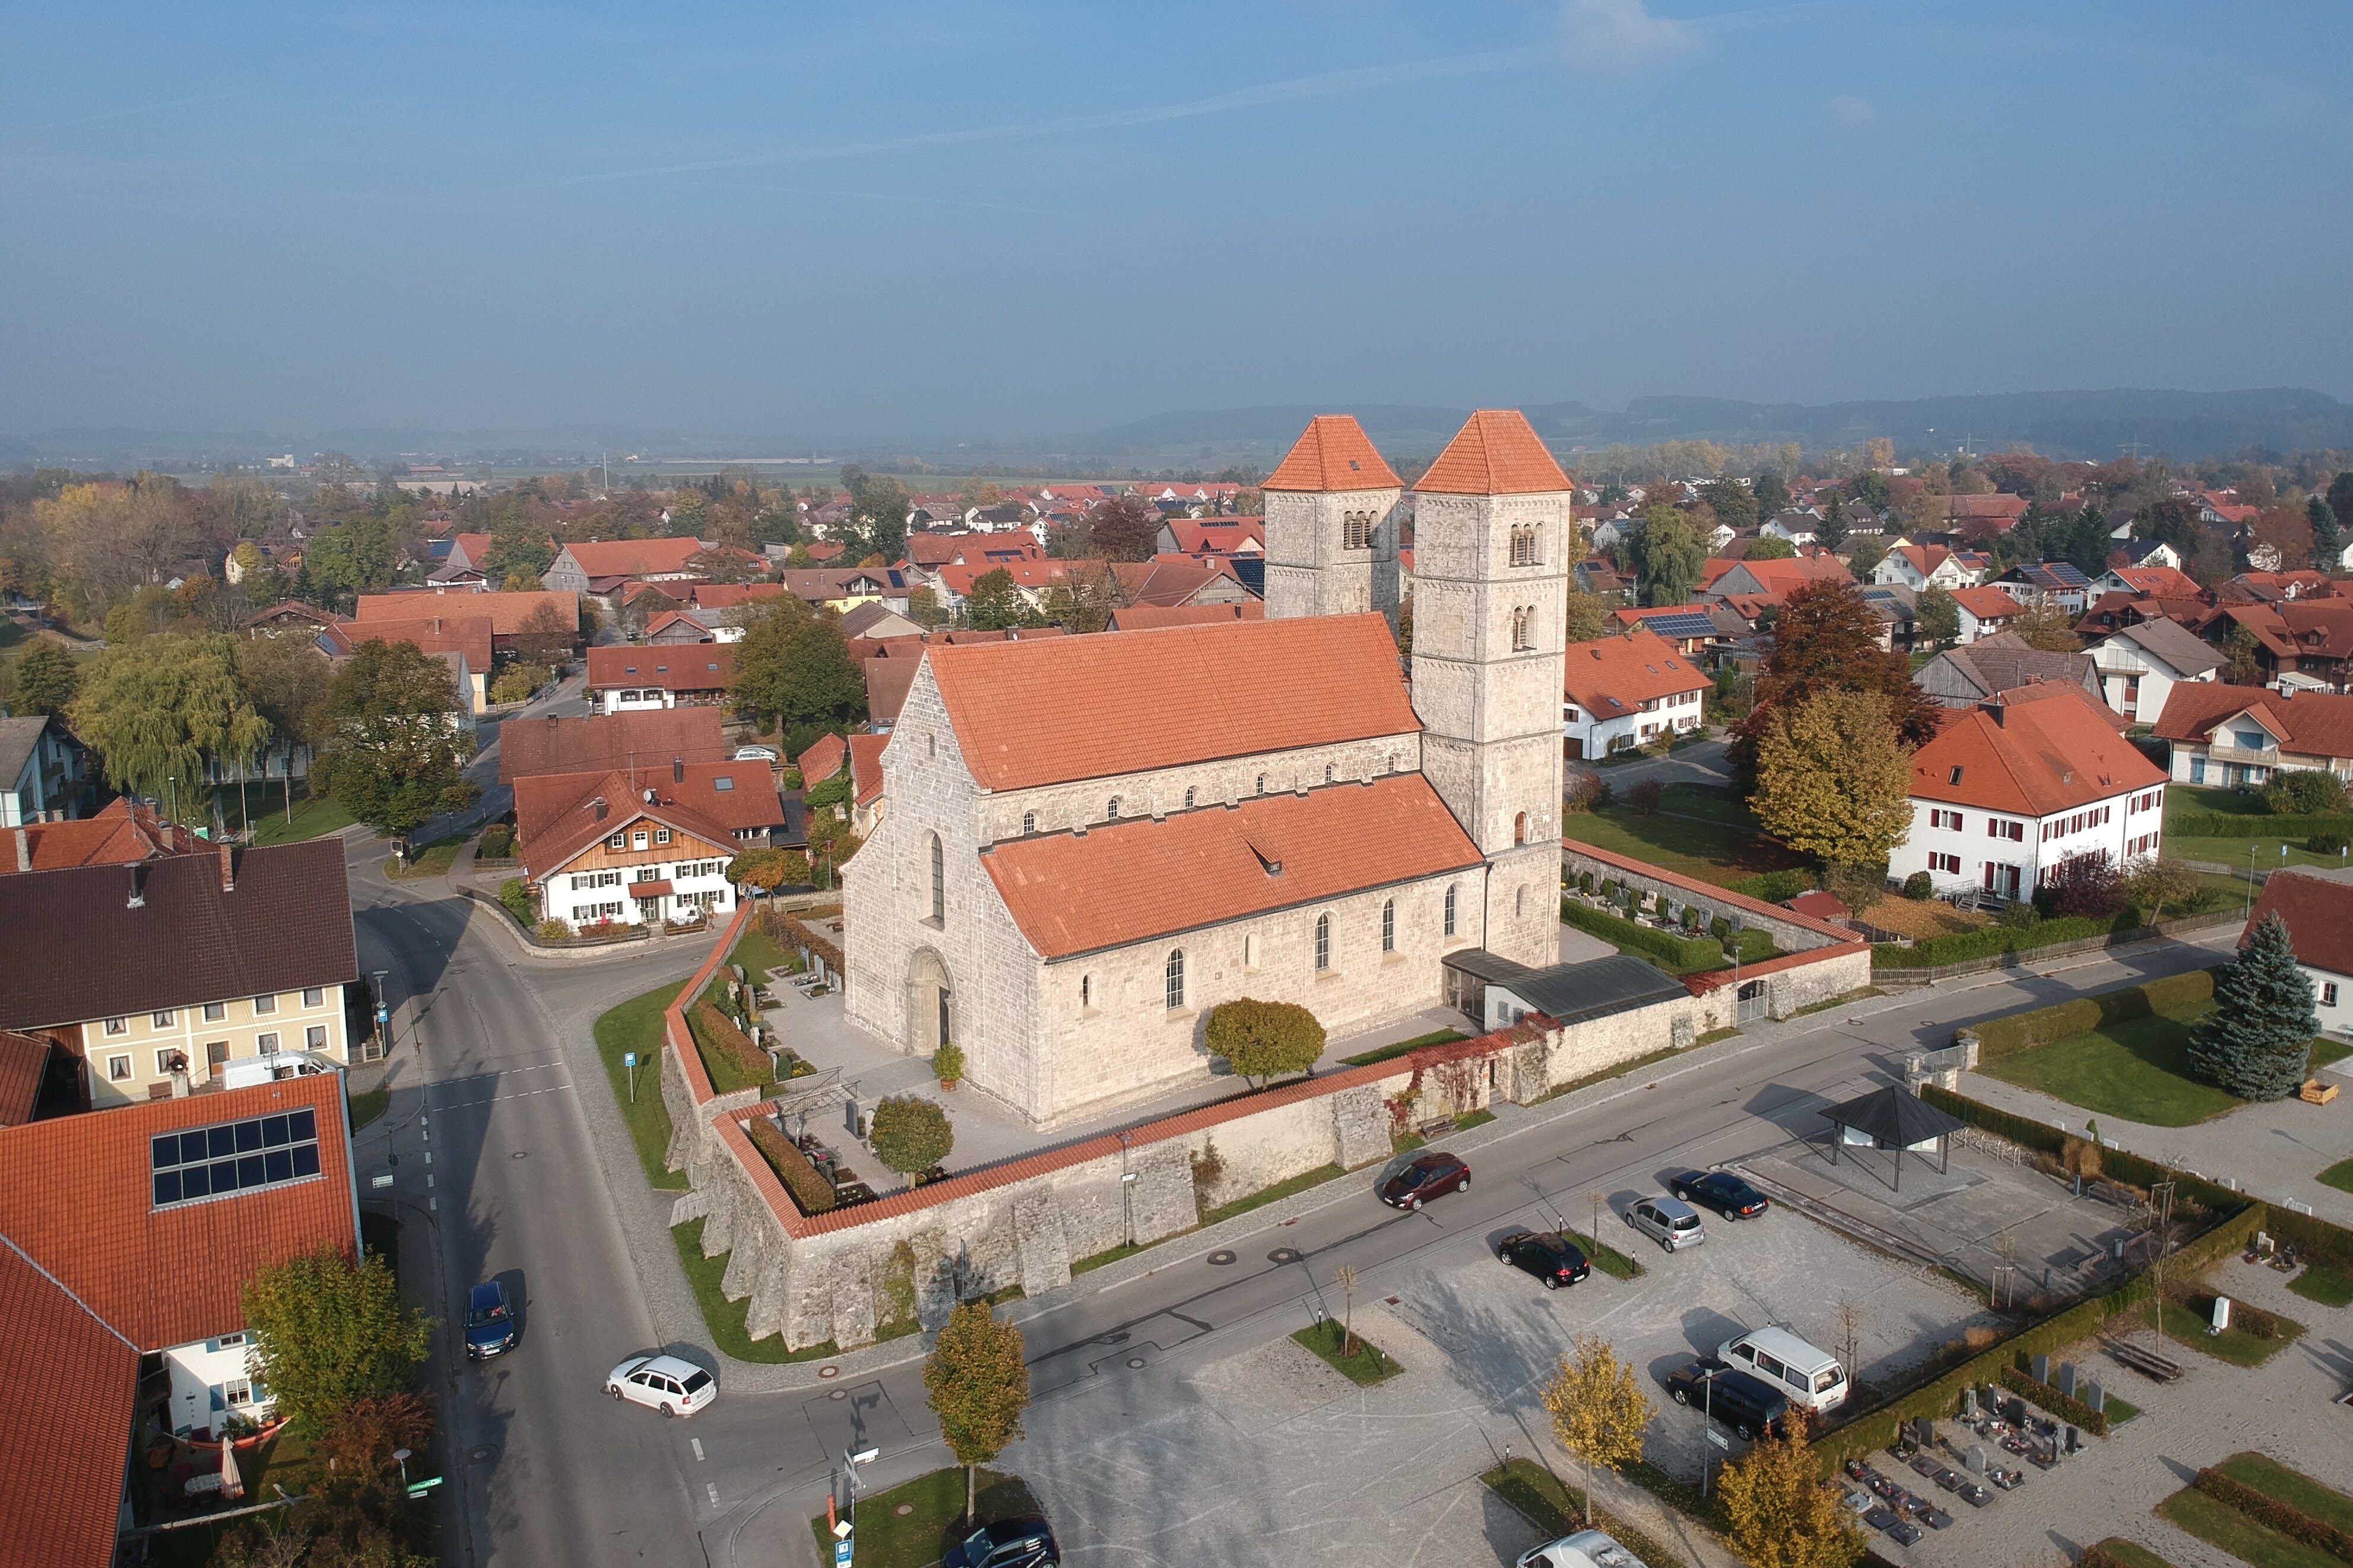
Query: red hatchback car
[(1424, 1178)]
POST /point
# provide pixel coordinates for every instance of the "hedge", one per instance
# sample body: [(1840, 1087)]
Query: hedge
[(1689, 953), (2206, 824), (2269, 1511), (2121, 1164), (1989, 942), (811, 1191), (718, 1031), (2026, 1386), (1999, 1038), (788, 931), (1773, 886)]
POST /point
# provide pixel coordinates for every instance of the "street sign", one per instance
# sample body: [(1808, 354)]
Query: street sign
[(420, 1487), (628, 1058), (380, 1179), (383, 1016), (841, 1558), (1718, 1438)]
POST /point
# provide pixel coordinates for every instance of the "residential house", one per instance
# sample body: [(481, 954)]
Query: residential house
[(1627, 692), (291, 616), (2140, 664), (166, 977), (878, 620), (2304, 643), (610, 849), (1984, 612), (616, 742), (469, 552), (598, 567), (1898, 610), (2244, 734), (44, 771), (1776, 579), (1690, 627), (1212, 536), (2151, 582), (843, 590), (2132, 552), (544, 625), (1978, 515), (1966, 677), (128, 1246), (679, 627), (2055, 582), (640, 603), (1921, 567), (2318, 913), (866, 782), (118, 834), (623, 680), (465, 639), (1799, 525), (1174, 580), (2007, 793)]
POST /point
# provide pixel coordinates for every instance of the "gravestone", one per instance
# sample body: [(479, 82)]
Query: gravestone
[(1968, 1404), (2095, 1396), (2042, 1368), (2067, 1379), (1975, 1459), (2074, 1444)]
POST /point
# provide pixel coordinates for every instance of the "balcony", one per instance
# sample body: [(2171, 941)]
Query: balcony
[(2264, 756)]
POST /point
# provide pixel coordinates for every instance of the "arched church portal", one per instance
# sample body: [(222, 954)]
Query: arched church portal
[(931, 1003)]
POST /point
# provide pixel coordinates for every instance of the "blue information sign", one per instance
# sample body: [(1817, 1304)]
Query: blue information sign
[(841, 1553), (628, 1058)]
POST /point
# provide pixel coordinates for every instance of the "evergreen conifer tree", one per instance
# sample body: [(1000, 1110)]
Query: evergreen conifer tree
[(2257, 1043)]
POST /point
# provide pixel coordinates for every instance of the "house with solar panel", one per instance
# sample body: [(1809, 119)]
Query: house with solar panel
[(1618, 693), (2054, 583), (1690, 627)]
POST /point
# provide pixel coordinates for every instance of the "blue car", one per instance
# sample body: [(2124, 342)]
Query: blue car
[(1025, 1543), (490, 1321)]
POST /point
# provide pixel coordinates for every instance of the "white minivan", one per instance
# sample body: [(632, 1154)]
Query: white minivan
[(1812, 1378)]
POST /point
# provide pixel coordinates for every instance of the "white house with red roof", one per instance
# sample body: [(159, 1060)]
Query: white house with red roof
[(1921, 567), (1627, 692), (2232, 735), (629, 679), (1091, 842), (2007, 791), (2318, 908), (648, 845), (1984, 611)]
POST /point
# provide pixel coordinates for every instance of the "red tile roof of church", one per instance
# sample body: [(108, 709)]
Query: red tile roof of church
[(1332, 454), (1495, 453)]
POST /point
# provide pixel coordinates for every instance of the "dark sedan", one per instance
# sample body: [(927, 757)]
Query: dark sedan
[(1424, 1178), (1547, 1254), (1007, 1543), (1745, 1404), (490, 1321), (1721, 1191)]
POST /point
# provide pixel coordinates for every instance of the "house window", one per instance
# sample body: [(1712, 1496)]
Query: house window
[(1029, 822), (314, 996), (264, 1006), (118, 1025), (314, 1039), (1331, 771), (1262, 783), (237, 1391), (117, 1069), (234, 1157), (163, 1019), (1524, 547), (1322, 944), (265, 1043), (168, 1062), (1520, 829), (637, 839), (1188, 800), (230, 1341), (1451, 890), (662, 835), (1389, 925), (616, 842), (2328, 994), (217, 1054), (215, 1011), (1176, 978), (1112, 809), (939, 879)]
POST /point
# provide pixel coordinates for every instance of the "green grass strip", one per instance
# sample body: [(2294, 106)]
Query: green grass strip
[(637, 1026), (1368, 1366), (1385, 1053), (1280, 1190), (725, 1319)]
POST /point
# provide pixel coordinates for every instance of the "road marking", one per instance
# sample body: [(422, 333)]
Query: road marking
[(712, 1488), (698, 1448), (433, 1205), (525, 1094), (428, 1156), (428, 1179)]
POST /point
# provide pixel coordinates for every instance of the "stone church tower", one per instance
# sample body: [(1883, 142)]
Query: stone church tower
[(1493, 525), (1331, 525)]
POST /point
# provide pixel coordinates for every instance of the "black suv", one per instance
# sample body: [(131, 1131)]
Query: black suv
[(1547, 1254), (1721, 1191), (1745, 1404)]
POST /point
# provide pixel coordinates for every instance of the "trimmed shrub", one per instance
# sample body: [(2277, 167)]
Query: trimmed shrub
[(718, 1032), (1261, 1040), (1999, 1038), (2209, 824), (2304, 791), (947, 1062), (1989, 942), (2326, 844), (1918, 886), (1774, 886), (1686, 953), (810, 1191), (514, 895), (554, 929), (1720, 928), (909, 1135), (2269, 1511), (1584, 881), (2075, 1411)]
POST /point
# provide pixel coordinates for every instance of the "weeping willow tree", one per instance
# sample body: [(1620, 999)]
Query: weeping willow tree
[(165, 708)]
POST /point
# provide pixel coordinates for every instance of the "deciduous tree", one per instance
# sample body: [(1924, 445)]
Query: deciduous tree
[(1124, 527), (1783, 1513), (793, 668), (1833, 778), (328, 1332), (396, 744), (1586, 618), (1827, 638), (1772, 493), (996, 604), (163, 709), (1735, 505), (1668, 555), (46, 679), (1599, 1409), (2047, 626), (2257, 1042), (1937, 617), (909, 1135), (519, 544), (2158, 886), (1770, 549), (288, 678), (1261, 1040), (979, 1385)]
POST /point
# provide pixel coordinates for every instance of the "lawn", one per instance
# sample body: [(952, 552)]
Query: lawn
[(430, 861), (1265, 1196), (2339, 1175), (1124, 1249), (367, 1106), (726, 1318), (758, 953), (2233, 1344), (2324, 1283), (934, 1505), (1369, 1365), (1606, 1258), (2138, 1068), (1717, 851), (2294, 1487), (310, 818), (637, 1026), (2234, 852), (2131, 1554), (2218, 1523), (1544, 1500), (1383, 1053)]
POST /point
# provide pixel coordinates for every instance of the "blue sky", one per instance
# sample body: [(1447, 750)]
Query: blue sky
[(879, 221)]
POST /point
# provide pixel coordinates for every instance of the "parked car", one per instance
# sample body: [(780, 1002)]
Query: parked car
[(755, 753), (1025, 1543), (1810, 1375), (490, 1321), (1741, 1402), (1547, 1254), (1721, 1191), (1586, 1548), (1425, 1177), (1670, 1221), (673, 1387)]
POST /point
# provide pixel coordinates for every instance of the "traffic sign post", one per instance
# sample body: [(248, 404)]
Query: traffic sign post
[(629, 1060)]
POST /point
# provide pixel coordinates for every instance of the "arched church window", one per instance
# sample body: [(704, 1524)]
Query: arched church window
[(1389, 925), (1086, 990), (939, 879), (1176, 978), (1451, 890), (1524, 547), (1524, 629), (1355, 530), (1331, 771), (1520, 829), (1519, 902), (1113, 810), (1029, 822), (1322, 944), (1250, 950), (1262, 783), (931, 745), (1188, 800)]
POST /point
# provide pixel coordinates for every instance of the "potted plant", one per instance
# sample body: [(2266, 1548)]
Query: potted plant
[(947, 1062)]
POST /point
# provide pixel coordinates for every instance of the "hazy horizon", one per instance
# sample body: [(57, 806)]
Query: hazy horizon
[(934, 225)]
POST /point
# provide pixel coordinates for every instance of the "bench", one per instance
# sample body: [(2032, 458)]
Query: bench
[(1437, 1127), (2144, 1361)]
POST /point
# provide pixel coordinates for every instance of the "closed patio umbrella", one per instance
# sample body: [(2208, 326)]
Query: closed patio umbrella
[(232, 1484)]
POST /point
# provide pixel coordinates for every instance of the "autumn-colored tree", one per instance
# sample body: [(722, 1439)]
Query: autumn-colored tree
[(1586, 618), (2159, 885), (1827, 638), (2047, 626), (1833, 778), (1124, 527), (1599, 1409), (979, 1385), (2286, 529), (923, 608), (1261, 1040), (328, 1332), (1783, 1514)]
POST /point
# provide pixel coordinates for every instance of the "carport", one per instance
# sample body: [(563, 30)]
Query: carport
[(1893, 1118)]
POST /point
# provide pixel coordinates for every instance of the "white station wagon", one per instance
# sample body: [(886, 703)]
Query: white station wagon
[(673, 1387)]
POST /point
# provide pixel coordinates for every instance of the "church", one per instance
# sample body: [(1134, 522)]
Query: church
[(1094, 841)]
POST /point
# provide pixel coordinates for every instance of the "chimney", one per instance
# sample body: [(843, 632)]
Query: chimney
[(228, 869), (138, 876), (23, 851), (678, 770), (598, 805)]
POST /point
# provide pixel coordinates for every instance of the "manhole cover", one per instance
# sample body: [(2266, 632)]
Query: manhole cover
[(1284, 1255), (482, 1454), (828, 1371), (1222, 1257), (904, 1510), (838, 1394), (1136, 1361)]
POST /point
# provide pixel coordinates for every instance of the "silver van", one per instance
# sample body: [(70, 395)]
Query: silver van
[(1812, 1377), (1670, 1221)]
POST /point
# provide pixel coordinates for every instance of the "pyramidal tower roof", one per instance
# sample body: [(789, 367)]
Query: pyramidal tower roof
[(1333, 454), (1495, 453)]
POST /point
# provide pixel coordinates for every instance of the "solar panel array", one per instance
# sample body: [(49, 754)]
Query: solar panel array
[(1690, 624), (235, 1156)]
